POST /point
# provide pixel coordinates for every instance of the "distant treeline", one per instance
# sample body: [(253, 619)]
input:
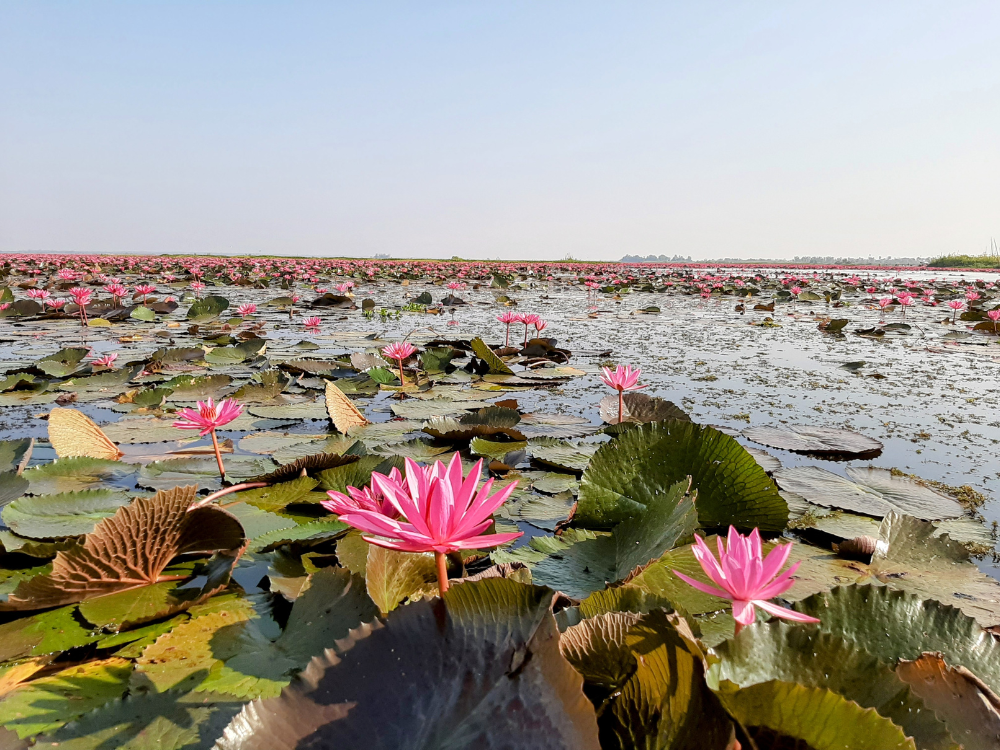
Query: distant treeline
[(806, 260), (966, 261)]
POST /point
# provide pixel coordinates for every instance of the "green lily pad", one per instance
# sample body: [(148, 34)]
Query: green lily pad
[(873, 492), (934, 567), (820, 718), (142, 722), (202, 471), (75, 474), (626, 474), (66, 514), (893, 624), (495, 449), (417, 449), (207, 308), (563, 455), (665, 702), (226, 652), (449, 662), (807, 656), (49, 702), (579, 565)]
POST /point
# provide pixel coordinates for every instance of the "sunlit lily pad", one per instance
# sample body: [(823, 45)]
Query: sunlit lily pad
[(626, 474)]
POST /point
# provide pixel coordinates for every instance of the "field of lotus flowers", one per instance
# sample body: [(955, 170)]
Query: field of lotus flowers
[(309, 503)]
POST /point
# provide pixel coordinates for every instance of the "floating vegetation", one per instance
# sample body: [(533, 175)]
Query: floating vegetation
[(278, 503)]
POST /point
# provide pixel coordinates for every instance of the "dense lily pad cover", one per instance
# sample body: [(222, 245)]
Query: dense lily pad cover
[(148, 600)]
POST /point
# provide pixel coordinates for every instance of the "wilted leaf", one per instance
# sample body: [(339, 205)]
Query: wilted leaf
[(73, 433), (110, 560), (488, 356), (969, 708), (343, 413)]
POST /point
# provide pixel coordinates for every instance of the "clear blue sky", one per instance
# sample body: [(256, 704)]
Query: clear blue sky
[(500, 129)]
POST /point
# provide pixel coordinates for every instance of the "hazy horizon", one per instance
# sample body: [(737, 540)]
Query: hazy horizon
[(521, 130)]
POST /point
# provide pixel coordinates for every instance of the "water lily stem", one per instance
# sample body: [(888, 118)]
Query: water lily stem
[(621, 400), (226, 491), (736, 632), (218, 456), (442, 571), (401, 381)]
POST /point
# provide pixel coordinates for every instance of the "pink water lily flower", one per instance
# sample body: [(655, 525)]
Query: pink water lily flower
[(245, 309), (368, 498), (507, 318), (108, 360), (443, 511), (624, 378), (745, 577), (144, 289), (206, 418), (994, 315), (956, 305), (81, 296), (209, 415), (399, 351), (312, 322)]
